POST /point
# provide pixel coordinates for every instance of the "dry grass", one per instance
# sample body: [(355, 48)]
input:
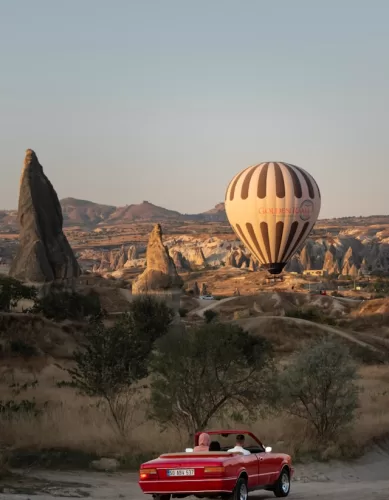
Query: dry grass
[(76, 423), (50, 338)]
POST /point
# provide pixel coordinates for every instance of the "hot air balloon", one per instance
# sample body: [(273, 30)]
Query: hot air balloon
[(272, 207)]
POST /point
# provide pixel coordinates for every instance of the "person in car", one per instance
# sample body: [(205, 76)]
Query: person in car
[(239, 445), (214, 446), (204, 441)]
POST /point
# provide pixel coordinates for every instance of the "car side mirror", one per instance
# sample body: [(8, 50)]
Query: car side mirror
[(268, 449), (189, 450)]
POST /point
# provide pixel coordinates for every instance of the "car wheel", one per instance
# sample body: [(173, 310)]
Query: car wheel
[(161, 497), (240, 491), (282, 486)]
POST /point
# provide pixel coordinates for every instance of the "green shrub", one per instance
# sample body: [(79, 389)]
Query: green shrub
[(11, 291), (63, 305), (20, 347), (319, 386), (210, 315), (207, 372), (182, 312)]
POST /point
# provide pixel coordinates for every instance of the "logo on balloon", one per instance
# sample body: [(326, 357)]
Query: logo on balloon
[(306, 209)]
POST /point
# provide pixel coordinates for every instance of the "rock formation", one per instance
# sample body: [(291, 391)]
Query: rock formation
[(44, 254), (237, 258), (180, 261), (160, 273), (196, 257), (294, 265), (305, 258), (132, 253), (351, 263), (331, 262), (122, 258), (196, 289), (113, 260)]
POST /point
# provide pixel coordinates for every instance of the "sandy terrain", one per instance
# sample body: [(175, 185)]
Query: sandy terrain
[(366, 478)]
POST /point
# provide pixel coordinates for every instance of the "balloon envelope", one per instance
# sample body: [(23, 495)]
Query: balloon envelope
[(272, 208)]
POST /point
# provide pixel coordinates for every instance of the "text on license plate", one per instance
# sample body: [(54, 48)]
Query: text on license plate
[(181, 472)]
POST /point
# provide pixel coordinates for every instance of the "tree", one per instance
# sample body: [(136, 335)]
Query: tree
[(111, 361), (11, 291), (210, 315), (319, 386), (199, 373), (150, 316), (61, 305)]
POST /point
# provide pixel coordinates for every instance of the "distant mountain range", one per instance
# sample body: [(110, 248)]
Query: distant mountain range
[(89, 214)]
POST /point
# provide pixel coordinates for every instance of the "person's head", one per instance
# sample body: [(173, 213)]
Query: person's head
[(204, 439), (240, 440), (214, 446)]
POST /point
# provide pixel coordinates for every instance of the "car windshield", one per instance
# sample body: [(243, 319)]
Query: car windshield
[(229, 441)]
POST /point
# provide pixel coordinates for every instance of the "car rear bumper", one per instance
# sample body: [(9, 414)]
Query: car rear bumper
[(193, 486)]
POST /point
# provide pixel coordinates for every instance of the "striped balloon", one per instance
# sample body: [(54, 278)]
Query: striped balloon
[(272, 208)]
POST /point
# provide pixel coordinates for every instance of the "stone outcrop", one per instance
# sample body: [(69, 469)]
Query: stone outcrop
[(351, 263), (294, 265), (116, 260), (196, 257), (181, 263), (196, 289), (331, 261), (44, 254), (237, 258), (305, 258), (132, 253), (366, 254), (122, 258), (160, 273)]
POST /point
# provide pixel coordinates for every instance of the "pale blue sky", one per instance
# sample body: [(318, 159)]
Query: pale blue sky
[(166, 100)]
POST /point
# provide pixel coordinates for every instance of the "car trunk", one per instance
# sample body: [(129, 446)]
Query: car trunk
[(188, 466)]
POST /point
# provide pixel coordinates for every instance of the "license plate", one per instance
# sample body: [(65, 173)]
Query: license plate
[(180, 472)]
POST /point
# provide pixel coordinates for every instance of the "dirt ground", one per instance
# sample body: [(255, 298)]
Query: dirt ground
[(366, 478)]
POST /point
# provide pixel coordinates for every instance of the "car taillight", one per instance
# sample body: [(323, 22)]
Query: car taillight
[(214, 471), (148, 474)]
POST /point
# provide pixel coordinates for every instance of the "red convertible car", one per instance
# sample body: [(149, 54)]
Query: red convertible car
[(229, 475)]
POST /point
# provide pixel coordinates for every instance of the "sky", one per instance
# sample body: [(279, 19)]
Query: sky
[(166, 100)]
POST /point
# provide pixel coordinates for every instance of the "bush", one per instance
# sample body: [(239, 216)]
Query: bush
[(11, 291), (21, 348), (204, 372), (319, 386), (311, 314), (182, 312), (68, 305), (150, 316), (210, 315), (111, 361)]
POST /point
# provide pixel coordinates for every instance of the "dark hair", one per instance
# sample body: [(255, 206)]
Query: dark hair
[(214, 446), (240, 437)]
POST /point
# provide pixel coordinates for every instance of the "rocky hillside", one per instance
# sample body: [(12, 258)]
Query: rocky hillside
[(145, 211), (350, 253), (84, 212)]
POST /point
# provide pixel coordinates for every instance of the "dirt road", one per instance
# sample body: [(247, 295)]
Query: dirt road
[(207, 305), (365, 480)]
